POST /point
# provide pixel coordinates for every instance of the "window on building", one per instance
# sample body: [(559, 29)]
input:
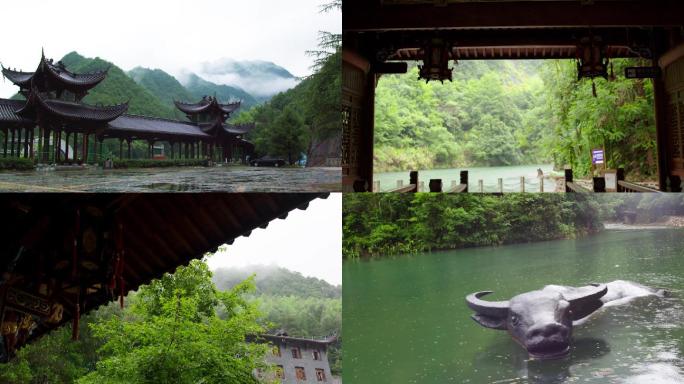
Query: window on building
[(296, 353), (276, 350), (316, 354), (320, 374), (279, 372), (299, 371)]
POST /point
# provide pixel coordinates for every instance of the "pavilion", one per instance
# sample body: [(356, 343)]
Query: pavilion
[(53, 103)]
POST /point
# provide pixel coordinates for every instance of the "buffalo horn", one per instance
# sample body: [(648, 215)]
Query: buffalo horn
[(487, 308)]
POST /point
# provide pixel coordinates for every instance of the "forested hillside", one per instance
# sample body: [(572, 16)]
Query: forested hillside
[(513, 112), (117, 88), (162, 85), (296, 121), (385, 224)]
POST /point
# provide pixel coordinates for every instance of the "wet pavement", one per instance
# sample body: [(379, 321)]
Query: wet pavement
[(181, 179)]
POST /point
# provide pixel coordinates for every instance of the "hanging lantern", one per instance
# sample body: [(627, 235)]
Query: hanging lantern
[(591, 58), (435, 61)]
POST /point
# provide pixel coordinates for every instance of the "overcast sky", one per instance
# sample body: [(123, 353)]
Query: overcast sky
[(172, 35), (307, 241)]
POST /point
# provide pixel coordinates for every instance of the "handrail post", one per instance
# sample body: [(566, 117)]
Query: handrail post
[(599, 184), (522, 184), (500, 182), (568, 179), (435, 185), (675, 183), (480, 185), (413, 179), (620, 176), (359, 185), (541, 185), (464, 180), (376, 186)]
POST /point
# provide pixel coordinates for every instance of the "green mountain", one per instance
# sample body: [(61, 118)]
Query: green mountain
[(199, 87), (118, 87), (277, 281), (160, 84)]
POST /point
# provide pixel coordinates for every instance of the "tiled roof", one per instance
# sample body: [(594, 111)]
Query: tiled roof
[(7, 109), (17, 77), (77, 111), (151, 125), (239, 129), (206, 104)]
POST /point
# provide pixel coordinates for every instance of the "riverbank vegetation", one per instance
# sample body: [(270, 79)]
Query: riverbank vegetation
[(498, 113), (187, 327), (387, 224)]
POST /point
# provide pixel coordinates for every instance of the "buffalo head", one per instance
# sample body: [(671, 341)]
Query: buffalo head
[(540, 321)]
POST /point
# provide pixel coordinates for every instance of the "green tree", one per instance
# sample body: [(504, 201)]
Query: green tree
[(287, 136), (172, 338)]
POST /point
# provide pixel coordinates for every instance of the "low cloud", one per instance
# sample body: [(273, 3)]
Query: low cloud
[(257, 77)]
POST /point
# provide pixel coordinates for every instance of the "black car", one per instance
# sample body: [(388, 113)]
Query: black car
[(268, 161)]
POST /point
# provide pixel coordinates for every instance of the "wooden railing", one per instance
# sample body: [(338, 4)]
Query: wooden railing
[(574, 187), (631, 187)]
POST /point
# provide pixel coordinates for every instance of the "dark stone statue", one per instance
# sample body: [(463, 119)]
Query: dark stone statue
[(541, 321)]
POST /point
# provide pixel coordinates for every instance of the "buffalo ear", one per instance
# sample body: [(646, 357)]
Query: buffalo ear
[(490, 322), (584, 309)]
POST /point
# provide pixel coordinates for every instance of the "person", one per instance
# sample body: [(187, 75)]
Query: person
[(540, 173)]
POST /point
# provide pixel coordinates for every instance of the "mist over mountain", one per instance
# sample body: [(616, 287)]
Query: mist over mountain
[(277, 281), (262, 79), (199, 87)]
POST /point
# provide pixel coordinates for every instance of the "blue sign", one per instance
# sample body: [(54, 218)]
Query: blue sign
[(597, 156)]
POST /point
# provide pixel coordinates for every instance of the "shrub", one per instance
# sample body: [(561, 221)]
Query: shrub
[(150, 163), (21, 164)]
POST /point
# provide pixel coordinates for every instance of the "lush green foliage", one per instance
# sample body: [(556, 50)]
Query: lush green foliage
[(648, 207), (162, 85), (385, 224), (151, 163), (20, 164), (296, 120), (621, 119), (514, 112), (177, 336), (117, 88), (184, 328)]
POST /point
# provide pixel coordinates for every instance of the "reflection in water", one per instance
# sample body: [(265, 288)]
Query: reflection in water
[(544, 371), (182, 179), (406, 320)]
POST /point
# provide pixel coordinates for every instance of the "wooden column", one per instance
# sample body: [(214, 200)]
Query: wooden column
[(75, 147), (46, 145), (33, 132), (358, 107), (660, 101), (4, 149), (129, 148), (99, 153), (27, 136), (85, 148), (121, 149), (173, 152), (66, 149)]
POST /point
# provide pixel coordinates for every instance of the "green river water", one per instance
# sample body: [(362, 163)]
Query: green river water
[(405, 320)]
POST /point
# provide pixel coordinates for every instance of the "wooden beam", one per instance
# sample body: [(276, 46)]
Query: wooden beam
[(390, 68), (364, 15)]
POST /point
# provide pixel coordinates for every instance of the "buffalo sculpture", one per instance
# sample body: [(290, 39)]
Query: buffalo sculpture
[(542, 320)]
